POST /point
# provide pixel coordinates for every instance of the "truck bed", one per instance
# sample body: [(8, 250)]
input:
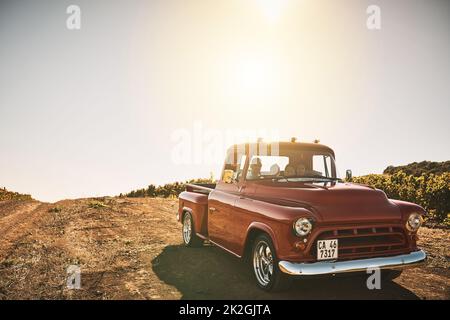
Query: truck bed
[(203, 188), (195, 198)]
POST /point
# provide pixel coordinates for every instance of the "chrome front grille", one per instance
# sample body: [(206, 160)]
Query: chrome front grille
[(365, 241)]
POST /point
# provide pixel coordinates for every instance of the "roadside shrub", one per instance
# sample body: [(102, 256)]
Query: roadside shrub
[(9, 195), (96, 204), (169, 190), (431, 191)]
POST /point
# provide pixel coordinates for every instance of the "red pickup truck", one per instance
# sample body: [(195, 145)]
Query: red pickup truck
[(283, 206)]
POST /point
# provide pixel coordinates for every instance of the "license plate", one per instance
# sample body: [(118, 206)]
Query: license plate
[(327, 249)]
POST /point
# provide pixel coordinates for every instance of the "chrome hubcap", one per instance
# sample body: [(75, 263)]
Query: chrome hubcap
[(263, 263), (187, 228)]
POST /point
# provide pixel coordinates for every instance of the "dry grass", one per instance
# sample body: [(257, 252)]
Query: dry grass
[(131, 249)]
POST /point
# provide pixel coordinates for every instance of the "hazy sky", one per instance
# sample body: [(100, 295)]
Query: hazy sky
[(101, 110)]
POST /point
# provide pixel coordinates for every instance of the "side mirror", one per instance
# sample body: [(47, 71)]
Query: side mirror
[(348, 175)]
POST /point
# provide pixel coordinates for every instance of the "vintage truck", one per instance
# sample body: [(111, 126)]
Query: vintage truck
[(282, 206)]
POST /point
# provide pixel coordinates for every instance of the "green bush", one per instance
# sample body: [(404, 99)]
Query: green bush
[(97, 204), (9, 195), (54, 210), (169, 190), (431, 191)]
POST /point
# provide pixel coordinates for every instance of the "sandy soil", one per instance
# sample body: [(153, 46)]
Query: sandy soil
[(132, 249)]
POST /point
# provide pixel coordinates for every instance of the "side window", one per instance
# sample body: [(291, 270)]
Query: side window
[(233, 167), (328, 166), (322, 165), (240, 170)]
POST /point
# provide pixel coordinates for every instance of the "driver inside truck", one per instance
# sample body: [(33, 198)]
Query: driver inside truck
[(301, 170), (255, 169)]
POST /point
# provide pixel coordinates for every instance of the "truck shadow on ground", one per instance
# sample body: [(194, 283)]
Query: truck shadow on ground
[(210, 273)]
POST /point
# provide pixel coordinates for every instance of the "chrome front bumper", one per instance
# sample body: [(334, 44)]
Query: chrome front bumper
[(324, 267)]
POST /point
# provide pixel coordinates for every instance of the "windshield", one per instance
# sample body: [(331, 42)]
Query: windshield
[(293, 165)]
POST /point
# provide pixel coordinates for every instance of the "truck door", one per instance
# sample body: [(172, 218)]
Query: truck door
[(221, 202)]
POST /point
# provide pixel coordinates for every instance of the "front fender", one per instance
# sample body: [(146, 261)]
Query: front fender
[(264, 228), (406, 208)]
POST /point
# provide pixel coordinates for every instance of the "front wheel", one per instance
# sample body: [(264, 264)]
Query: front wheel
[(190, 239), (265, 266)]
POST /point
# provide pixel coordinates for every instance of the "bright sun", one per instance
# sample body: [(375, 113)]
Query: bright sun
[(272, 9)]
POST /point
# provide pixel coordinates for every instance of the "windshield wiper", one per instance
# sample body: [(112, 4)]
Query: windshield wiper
[(323, 178), (308, 178)]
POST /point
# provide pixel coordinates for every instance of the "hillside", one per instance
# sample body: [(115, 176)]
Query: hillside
[(131, 248), (420, 168)]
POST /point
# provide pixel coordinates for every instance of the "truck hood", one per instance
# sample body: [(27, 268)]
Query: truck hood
[(335, 202)]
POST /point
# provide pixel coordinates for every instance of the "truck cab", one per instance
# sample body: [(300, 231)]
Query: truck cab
[(283, 206)]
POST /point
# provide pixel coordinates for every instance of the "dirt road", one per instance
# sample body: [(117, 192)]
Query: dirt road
[(131, 249)]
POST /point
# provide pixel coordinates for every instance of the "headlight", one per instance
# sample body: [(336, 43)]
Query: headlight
[(302, 227), (414, 222)]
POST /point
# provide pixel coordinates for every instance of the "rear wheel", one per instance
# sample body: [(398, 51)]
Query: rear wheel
[(265, 266), (190, 239)]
